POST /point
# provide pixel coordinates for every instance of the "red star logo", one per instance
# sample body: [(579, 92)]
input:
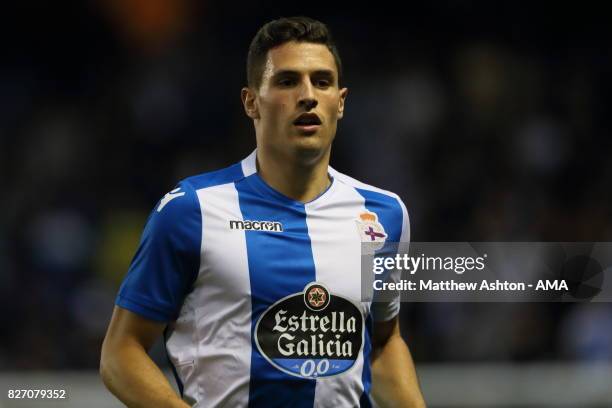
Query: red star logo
[(316, 297)]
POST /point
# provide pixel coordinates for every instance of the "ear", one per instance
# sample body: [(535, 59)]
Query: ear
[(249, 101), (343, 93)]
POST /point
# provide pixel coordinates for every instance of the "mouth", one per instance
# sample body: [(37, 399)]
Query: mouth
[(308, 122)]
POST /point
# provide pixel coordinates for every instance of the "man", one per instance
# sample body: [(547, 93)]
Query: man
[(254, 270)]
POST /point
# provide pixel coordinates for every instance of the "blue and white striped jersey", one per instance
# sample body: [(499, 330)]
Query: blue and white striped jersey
[(262, 294)]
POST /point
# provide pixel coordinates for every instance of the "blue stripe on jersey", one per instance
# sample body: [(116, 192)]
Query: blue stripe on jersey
[(390, 215), (366, 374), (167, 260), (280, 264)]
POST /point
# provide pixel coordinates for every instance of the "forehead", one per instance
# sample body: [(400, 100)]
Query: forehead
[(300, 57)]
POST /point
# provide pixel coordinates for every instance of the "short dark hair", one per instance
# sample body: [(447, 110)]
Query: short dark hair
[(283, 30)]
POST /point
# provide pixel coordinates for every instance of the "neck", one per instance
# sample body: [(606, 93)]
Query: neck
[(300, 180)]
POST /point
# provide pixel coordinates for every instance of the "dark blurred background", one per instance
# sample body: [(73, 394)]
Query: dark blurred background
[(489, 119)]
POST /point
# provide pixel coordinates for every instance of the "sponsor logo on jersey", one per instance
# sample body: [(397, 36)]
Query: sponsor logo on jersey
[(273, 226), (371, 231), (169, 197), (311, 334)]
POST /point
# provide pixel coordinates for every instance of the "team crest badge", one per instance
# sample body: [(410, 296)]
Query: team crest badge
[(371, 231)]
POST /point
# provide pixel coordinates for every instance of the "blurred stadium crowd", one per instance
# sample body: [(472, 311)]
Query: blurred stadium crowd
[(489, 120)]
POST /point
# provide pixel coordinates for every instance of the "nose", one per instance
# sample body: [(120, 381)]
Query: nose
[(307, 98)]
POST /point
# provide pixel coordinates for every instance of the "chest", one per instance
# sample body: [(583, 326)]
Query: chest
[(269, 251)]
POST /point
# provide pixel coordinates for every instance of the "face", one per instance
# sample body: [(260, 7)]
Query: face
[(298, 104)]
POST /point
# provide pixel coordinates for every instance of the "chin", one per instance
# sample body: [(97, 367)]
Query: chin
[(309, 142), (309, 150)]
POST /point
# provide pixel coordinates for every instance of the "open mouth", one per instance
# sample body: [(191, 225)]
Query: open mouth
[(308, 122)]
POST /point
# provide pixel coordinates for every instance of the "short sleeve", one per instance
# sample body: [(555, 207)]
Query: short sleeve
[(167, 261), (385, 311)]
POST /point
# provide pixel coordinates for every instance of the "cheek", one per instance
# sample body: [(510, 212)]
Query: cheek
[(276, 109)]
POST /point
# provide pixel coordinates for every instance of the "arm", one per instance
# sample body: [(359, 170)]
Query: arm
[(394, 380), (126, 368)]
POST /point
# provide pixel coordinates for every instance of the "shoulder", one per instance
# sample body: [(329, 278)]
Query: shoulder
[(181, 207), (226, 175), (389, 207), (369, 191), (188, 187)]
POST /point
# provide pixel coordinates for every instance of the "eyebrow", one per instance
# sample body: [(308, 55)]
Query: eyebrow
[(318, 72)]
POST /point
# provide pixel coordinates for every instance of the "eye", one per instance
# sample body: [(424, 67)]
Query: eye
[(286, 82), (322, 83)]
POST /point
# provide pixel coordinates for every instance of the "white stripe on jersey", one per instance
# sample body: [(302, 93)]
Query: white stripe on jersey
[(336, 246), (223, 345)]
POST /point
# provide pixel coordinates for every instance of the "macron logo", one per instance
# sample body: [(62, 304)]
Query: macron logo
[(273, 226), (169, 197)]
